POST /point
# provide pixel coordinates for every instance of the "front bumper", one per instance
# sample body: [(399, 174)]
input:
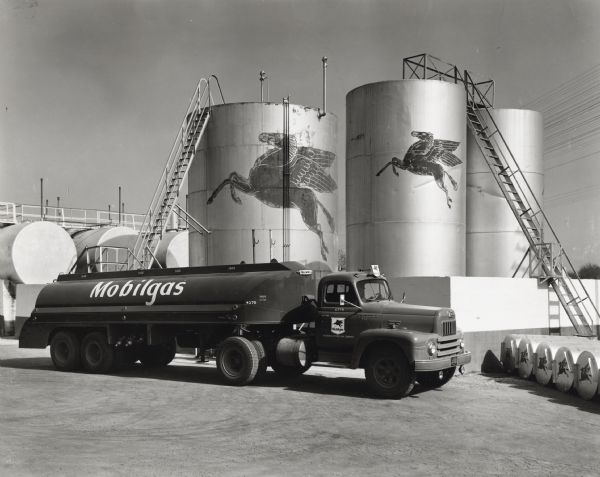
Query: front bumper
[(438, 364)]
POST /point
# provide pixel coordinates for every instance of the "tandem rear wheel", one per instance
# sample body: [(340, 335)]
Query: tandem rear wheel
[(97, 356), (65, 351), (238, 360)]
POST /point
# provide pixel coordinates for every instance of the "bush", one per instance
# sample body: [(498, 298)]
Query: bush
[(590, 270)]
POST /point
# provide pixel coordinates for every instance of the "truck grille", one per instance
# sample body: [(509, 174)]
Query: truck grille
[(448, 328), (448, 347)]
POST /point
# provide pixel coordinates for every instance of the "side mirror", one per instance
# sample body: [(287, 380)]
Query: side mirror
[(342, 299)]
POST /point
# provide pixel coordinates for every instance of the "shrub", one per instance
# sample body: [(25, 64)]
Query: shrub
[(590, 270)]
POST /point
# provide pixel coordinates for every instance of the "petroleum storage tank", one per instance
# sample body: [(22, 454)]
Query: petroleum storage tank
[(102, 236), (405, 199), (495, 242), (586, 379), (235, 186), (35, 252), (173, 250)]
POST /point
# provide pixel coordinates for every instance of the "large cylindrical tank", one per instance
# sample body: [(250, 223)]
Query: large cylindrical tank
[(235, 186), (405, 200), (102, 236), (495, 242), (35, 252), (173, 250)]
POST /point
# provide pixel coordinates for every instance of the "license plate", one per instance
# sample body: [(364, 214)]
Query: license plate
[(453, 361)]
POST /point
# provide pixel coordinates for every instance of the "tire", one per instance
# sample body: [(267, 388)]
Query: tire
[(388, 373), (262, 358), (436, 379), (97, 356), (155, 356), (237, 360), (65, 351)]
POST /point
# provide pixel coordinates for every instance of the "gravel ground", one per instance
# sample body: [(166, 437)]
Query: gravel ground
[(182, 421)]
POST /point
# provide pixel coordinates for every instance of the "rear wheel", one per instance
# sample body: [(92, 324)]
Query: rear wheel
[(65, 351), (436, 379), (388, 373), (154, 356), (97, 356), (262, 358), (237, 360)]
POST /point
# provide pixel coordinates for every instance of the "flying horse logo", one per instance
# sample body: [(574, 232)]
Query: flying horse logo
[(307, 166), (427, 157)]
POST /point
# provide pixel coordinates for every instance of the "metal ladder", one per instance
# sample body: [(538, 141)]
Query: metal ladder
[(167, 190), (553, 264)]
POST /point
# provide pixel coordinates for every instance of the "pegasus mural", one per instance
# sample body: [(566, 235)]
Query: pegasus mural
[(428, 157), (308, 174)]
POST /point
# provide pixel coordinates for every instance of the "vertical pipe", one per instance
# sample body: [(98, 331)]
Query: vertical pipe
[(41, 198), (254, 246), (323, 112), (262, 76), (119, 205), (109, 219)]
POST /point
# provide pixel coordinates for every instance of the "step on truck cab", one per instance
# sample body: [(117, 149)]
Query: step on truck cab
[(254, 316)]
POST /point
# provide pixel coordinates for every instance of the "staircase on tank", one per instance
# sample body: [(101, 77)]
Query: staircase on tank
[(552, 263), (166, 194)]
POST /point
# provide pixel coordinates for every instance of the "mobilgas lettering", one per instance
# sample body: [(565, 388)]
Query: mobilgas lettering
[(153, 291), (179, 287), (126, 289), (150, 289), (99, 289)]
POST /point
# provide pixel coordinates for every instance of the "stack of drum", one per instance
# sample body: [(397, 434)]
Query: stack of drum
[(566, 361)]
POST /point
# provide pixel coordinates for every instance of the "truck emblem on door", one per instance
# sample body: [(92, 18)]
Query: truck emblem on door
[(338, 326)]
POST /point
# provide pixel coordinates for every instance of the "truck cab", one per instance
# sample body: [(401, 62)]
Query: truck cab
[(360, 324)]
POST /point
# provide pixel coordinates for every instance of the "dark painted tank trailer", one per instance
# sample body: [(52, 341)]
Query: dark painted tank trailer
[(254, 316)]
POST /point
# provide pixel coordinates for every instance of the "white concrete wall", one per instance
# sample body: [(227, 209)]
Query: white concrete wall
[(480, 303)]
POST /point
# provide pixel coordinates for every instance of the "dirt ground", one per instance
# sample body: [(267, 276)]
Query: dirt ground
[(182, 421)]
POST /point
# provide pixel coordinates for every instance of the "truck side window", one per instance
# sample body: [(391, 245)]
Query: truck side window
[(334, 290)]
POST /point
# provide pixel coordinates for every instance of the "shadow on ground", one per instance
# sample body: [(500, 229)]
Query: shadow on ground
[(549, 392), (207, 374)]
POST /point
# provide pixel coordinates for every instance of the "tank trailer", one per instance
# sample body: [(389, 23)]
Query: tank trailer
[(254, 316)]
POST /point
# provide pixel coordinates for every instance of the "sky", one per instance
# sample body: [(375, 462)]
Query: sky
[(92, 92)]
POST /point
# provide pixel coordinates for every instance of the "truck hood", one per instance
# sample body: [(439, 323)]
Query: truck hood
[(406, 316)]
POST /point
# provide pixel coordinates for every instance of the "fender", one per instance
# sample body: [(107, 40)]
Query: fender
[(407, 340)]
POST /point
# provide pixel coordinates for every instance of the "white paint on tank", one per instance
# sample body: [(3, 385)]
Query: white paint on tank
[(35, 252), (173, 250), (405, 207), (495, 242)]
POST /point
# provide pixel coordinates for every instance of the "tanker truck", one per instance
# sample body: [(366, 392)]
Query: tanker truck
[(254, 316)]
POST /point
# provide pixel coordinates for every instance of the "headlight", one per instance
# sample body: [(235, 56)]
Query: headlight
[(431, 348), (461, 344)]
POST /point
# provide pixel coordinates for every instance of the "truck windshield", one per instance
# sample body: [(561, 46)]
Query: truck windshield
[(373, 290)]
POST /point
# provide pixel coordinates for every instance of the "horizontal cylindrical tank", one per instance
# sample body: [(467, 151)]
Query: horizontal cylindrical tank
[(35, 252), (102, 237), (173, 250), (527, 351), (495, 242), (236, 186), (405, 177), (586, 377), (509, 352)]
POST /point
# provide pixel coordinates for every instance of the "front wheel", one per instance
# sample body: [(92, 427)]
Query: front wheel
[(388, 373), (238, 360), (436, 379)]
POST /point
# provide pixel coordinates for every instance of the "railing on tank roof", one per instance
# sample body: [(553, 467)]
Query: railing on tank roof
[(72, 217), (8, 213), (425, 66), (103, 258)]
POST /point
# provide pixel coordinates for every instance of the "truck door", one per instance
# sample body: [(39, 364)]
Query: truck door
[(339, 324)]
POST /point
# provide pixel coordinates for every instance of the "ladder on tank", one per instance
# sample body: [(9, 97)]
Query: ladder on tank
[(164, 200), (553, 264)]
